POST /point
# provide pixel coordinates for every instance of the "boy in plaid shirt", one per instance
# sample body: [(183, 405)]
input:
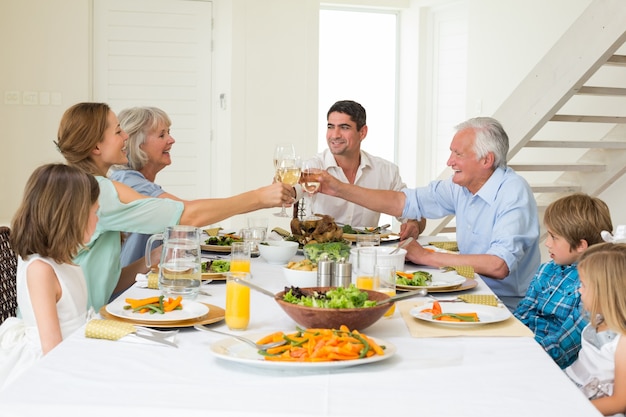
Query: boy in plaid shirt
[(552, 307)]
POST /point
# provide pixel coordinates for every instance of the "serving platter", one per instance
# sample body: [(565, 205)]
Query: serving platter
[(233, 350), (467, 285), (214, 315), (384, 238), (440, 280), (486, 314), (216, 248), (213, 276)]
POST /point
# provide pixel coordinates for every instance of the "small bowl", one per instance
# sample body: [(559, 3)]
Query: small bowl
[(333, 318), (278, 252), (300, 278)]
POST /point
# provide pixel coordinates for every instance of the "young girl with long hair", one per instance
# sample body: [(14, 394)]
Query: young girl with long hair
[(600, 370), (56, 217)]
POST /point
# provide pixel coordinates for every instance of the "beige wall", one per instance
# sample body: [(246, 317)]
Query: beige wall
[(265, 62)]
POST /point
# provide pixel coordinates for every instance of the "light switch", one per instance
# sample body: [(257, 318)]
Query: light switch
[(12, 97), (30, 98), (44, 98)]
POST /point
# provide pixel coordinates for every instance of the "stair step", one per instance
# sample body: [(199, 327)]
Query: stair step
[(555, 188), (559, 167), (617, 60), (587, 119), (602, 91), (575, 144)]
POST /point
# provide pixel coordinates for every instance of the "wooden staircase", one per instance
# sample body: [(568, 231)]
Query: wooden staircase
[(566, 120)]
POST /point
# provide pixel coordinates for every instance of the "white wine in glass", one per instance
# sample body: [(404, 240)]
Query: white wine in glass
[(288, 173), (282, 151), (310, 182)]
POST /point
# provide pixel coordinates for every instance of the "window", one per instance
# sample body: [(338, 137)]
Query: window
[(358, 61)]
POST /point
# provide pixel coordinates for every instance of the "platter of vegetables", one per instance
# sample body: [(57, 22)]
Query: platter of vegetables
[(431, 279), (460, 314), (215, 269), (316, 348), (220, 243)]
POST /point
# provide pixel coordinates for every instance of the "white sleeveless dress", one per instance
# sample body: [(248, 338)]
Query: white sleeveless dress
[(595, 365), (20, 346)]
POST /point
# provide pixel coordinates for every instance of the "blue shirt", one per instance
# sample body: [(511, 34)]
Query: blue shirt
[(100, 259), (500, 219), (553, 311), (134, 246)]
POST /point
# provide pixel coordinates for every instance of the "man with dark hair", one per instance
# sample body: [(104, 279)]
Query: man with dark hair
[(345, 161)]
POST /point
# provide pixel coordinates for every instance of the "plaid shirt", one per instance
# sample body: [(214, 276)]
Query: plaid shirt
[(553, 311)]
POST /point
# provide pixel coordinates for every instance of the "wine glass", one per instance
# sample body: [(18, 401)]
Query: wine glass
[(310, 183), (288, 173), (282, 151)]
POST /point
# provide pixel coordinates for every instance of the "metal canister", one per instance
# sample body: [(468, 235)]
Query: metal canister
[(342, 273), (324, 272)]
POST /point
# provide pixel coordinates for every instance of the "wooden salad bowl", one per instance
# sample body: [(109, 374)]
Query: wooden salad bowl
[(333, 318)]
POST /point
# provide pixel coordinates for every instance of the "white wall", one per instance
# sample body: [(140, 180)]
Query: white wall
[(266, 65)]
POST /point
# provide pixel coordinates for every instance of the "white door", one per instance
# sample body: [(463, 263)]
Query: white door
[(158, 53)]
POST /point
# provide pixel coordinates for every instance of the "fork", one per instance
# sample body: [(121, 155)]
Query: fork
[(252, 343)]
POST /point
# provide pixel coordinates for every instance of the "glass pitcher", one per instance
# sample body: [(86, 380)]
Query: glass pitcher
[(180, 268)]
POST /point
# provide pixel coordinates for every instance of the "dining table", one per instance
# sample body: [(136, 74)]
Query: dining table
[(459, 374)]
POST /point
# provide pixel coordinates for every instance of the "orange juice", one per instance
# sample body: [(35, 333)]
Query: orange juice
[(240, 265), (237, 306), (365, 283), (390, 293)]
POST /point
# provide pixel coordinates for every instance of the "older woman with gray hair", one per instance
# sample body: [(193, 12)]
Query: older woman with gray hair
[(148, 152)]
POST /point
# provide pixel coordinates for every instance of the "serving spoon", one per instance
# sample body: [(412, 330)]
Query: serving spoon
[(258, 346), (422, 292)]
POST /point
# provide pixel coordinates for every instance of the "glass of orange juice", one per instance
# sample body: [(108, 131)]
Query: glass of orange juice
[(240, 257), (237, 301), (364, 267), (385, 282)]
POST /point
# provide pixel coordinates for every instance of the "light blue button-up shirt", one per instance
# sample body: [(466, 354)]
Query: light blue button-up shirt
[(500, 219)]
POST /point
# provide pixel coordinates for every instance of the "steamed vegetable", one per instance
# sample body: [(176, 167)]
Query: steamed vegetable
[(334, 250)]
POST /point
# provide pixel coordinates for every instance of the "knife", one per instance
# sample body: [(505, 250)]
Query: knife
[(156, 339)]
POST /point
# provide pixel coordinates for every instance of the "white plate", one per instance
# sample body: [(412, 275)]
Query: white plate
[(233, 350), (190, 310), (439, 280), (486, 314)]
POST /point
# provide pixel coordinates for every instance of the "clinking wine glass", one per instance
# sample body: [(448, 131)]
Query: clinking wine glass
[(289, 173), (310, 182), (282, 151)]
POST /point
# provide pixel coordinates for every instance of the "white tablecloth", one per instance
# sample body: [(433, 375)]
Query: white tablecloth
[(459, 376)]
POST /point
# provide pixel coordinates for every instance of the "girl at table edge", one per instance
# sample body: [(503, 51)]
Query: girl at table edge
[(58, 215), (600, 370), (91, 139)]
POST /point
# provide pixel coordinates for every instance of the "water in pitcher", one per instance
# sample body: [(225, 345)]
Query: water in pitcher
[(180, 270)]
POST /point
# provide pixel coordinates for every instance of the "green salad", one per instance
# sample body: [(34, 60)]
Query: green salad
[(339, 297), (416, 279)]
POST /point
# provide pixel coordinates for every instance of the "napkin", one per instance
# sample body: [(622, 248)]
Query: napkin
[(108, 329), (486, 299), (151, 280), (510, 327), (116, 330), (446, 245), (463, 270)]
